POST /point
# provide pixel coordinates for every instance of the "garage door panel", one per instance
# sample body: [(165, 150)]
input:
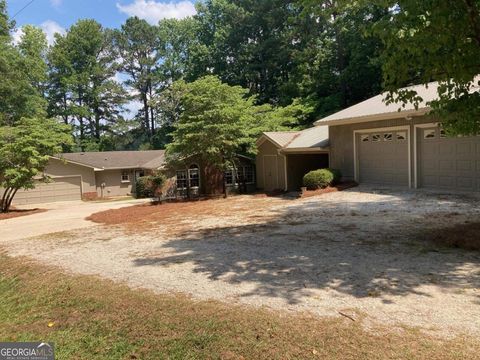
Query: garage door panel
[(60, 189), (455, 165), (383, 162)]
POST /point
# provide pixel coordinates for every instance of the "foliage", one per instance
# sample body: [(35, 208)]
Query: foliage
[(337, 176), (318, 179), (24, 152), (142, 189), (434, 40), (82, 90), (150, 185), (213, 124)]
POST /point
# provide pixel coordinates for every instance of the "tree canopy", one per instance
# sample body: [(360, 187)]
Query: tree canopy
[(436, 40)]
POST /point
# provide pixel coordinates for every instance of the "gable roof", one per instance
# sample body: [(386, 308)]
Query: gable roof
[(315, 138), (375, 108), (281, 138), (105, 160)]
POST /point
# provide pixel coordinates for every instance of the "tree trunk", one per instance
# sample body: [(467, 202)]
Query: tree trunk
[(146, 113), (7, 199), (152, 118)]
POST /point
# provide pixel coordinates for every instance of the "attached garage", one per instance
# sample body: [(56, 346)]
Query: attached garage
[(382, 156), (60, 189), (445, 162)]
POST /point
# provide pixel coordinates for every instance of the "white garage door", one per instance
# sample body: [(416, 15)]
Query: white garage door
[(448, 163), (382, 157), (60, 189)]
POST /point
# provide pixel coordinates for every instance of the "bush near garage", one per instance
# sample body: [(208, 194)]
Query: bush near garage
[(142, 189), (150, 186), (321, 178)]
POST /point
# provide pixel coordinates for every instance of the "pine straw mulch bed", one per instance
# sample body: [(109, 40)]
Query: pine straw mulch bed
[(13, 213), (329, 189)]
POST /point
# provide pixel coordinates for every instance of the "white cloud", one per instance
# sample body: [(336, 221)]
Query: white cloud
[(50, 28), (56, 3), (17, 35), (154, 11)]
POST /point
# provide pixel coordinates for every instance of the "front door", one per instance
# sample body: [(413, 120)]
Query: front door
[(270, 172)]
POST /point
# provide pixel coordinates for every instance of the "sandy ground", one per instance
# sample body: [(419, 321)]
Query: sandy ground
[(55, 217), (363, 252)]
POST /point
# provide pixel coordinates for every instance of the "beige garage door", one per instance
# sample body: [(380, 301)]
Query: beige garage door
[(448, 163), (60, 189), (382, 157)]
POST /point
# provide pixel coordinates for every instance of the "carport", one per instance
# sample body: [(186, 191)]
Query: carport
[(298, 164), (283, 158)]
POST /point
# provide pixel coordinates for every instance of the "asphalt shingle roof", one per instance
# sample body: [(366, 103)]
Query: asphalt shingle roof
[(376, 106), (151, 159)]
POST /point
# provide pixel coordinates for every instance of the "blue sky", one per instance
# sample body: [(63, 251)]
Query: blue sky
[(57, 15)]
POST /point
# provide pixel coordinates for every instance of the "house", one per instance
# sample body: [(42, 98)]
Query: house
[(375, 143), (284, 157), (91, 175)]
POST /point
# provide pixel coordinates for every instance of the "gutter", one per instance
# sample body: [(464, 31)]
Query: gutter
[(375, 117)]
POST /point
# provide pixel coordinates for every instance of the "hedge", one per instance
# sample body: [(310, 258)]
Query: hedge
[(321, 178)]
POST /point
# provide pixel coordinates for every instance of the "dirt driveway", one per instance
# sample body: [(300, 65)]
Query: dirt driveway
[(363, 252)]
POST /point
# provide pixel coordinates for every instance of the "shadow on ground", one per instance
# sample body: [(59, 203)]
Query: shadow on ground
[(373, 248)]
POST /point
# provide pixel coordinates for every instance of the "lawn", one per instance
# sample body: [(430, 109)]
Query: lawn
[(91, 318)]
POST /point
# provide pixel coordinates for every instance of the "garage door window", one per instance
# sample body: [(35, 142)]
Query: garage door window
[(429, 134), (401, 135), (376, 137), (387, 137), (364, 138)]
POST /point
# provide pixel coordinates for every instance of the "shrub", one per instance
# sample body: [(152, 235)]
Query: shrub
[(142, 189), (318, 179), (150, 186), (337, 176)]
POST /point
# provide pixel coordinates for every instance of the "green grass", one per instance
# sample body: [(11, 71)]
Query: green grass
[(97, 319)]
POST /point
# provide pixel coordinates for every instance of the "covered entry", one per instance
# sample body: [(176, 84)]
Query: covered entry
[(382, 156), (300, 164), (60, 189), (447, 162)]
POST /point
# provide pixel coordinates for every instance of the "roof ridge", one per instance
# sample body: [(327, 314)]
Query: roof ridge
[(296, 136)]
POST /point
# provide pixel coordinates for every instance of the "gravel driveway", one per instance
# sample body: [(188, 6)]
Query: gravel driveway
[(361, 252)]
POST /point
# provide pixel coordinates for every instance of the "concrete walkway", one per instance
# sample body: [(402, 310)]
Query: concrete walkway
[(61, 216)]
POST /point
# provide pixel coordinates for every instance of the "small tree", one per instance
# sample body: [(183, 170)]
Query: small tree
[(24, 153), (213, 125)]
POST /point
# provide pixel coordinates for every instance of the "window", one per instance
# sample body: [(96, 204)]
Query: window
[(249, 174), (181, 179), (401, 135), (194, 176), (125, 177), (376, 137), (229, 177), (364, 138), (387, 137), (429, 134)]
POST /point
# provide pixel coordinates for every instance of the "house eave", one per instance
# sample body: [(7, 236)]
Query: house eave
[(376, 117), (309, 150)]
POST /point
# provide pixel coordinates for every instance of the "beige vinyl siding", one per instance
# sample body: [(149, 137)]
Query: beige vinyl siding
[(270, 162), (58, 167), (341, 142), (113, 183)]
